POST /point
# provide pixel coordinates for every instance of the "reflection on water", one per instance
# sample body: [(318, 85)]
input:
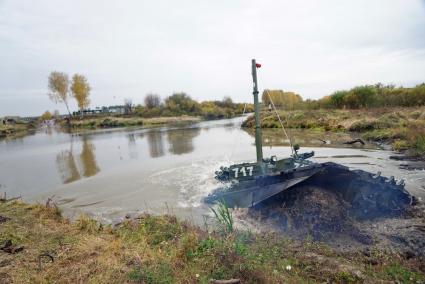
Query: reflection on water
[(67, 167), (88, 158), (132, 146), (181, 140), (156, 143), (309, 138)]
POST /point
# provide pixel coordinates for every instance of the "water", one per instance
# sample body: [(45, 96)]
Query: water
[(109, 173)]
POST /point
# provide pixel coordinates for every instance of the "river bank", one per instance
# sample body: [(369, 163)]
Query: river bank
[(40, 245), (402, 128), (15, 130), (116, 121)]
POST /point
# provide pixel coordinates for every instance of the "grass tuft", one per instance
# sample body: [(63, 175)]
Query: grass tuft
[(223, 216), (85, 223)]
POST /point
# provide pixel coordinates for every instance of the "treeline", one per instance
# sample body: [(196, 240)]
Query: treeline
[(182, 104), (368, 96), (281, 99)]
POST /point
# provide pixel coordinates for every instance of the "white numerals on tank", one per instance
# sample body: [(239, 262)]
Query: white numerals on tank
[(243, 171)]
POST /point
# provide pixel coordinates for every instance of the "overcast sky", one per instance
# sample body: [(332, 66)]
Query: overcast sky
[(204, 48)]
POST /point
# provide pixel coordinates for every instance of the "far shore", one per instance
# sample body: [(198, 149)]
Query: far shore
[(16, 130), (126, 121), (22, 128), (402, 128)]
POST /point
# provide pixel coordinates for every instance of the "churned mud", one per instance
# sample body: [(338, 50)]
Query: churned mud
[(321, 214)]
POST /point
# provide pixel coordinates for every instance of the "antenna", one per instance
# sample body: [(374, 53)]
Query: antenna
[(258, 137)]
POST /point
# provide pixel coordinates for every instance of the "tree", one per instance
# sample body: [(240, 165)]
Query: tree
[(58, 87), (152, 101), (287, 100), (80, 90), (46, 115), (338, 99), (365, 96), (181, 103), (128, 106), (227, 102)]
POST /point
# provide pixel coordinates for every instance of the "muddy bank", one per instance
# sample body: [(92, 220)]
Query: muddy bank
[(308, 211), (410, 162), (17, 130)]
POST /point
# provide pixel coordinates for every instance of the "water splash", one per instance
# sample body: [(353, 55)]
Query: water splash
[(193, 182)]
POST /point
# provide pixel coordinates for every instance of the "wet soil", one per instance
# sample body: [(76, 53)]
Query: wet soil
[(321, 214), (410, 163)]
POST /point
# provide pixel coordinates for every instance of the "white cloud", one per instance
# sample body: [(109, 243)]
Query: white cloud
[(130, 48)]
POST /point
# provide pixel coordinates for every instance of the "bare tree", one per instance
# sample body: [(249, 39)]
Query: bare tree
[(58, 87), (152, 101), (80, 90), (128, 106)]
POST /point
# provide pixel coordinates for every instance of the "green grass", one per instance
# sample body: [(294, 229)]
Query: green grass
[(154, 274), (419, 144), (401, 274), (223, 216)]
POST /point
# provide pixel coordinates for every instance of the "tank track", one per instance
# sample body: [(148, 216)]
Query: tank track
[(370, 195)]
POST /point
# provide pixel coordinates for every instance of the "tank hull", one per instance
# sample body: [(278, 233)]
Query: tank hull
[(250, 193), (368, 193)]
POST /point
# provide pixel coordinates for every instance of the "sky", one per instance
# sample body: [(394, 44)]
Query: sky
[(127, 49)]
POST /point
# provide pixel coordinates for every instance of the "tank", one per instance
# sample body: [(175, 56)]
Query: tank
[(248, 184)]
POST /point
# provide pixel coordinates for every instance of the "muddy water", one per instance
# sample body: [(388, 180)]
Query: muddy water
[(108, 173)]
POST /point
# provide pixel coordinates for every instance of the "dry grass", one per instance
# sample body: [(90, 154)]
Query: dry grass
[(112, 121), (171, 120), (164, 250), (15, 130), (403, 128)]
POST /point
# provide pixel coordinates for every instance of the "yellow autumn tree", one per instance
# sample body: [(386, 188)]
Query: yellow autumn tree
[(80, 90), (281, 99), (46, 115), (58, 88)]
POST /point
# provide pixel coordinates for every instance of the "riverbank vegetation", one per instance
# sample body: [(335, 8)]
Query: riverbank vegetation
[(380, 113), (39, 245), (176, 109), (182, 104), (122, 121), (360, 97), (17, 128), (403, 128)]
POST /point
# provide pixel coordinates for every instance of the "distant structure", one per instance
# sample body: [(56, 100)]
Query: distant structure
[(12, 120), (118, 109)]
